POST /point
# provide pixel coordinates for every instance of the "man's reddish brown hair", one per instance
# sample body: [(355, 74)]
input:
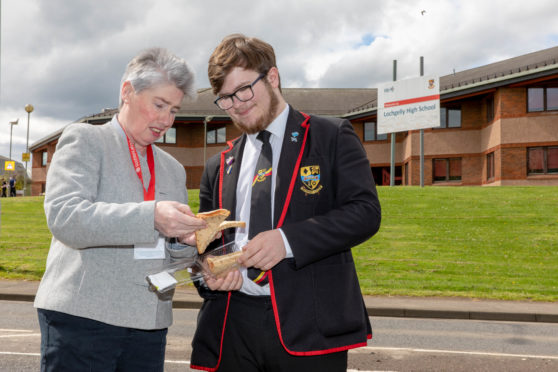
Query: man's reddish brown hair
[(237, 50)]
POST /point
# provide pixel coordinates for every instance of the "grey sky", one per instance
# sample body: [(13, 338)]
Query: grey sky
[(66, 57)]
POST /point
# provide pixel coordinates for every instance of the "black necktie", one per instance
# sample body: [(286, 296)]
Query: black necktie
[(260, 204)]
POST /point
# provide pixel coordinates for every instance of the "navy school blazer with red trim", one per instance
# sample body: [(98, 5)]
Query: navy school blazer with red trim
[(317, 302)]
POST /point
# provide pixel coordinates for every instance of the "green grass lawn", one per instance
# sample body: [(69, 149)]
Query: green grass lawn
[(483, 242), (486, 242), (24, 238)]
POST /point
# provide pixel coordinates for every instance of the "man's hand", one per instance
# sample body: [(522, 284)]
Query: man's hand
[(174, 219), (190, 239), (264, 251), (231, 282)]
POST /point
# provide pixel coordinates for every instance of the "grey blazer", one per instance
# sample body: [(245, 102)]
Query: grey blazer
[(96, 213)]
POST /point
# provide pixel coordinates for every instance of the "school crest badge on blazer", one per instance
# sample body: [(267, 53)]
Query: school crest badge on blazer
[(310, 177)]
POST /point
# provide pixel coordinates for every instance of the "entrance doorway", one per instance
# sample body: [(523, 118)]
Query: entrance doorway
[(381, 175)]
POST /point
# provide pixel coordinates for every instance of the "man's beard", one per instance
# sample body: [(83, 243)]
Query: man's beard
[(266, 118)]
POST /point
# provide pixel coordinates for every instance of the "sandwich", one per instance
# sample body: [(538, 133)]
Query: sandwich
[(219, 265), (215, 222)]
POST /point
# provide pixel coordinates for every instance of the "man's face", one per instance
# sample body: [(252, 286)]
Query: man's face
[(257, 113), (151, 112)]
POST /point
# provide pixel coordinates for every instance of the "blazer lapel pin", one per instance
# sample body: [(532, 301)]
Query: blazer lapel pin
[(229, 161), (294, 137)]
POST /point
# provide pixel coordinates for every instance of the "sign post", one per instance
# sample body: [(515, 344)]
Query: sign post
[(412, 104), (392, 136), (422, 135)]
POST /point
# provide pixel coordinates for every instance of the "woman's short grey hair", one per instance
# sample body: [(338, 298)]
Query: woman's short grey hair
[(158, 66)]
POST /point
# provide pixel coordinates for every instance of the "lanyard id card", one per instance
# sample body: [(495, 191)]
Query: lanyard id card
[(150, 251), (146, 251)]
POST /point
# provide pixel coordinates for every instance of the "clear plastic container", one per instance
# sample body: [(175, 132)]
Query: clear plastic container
[(219, 261), (215, 263)]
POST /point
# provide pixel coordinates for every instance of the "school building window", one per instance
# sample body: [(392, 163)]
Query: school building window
[(490, 166), (371, 132), (406, 174), (489, 109), (168, 137), (218, 135), (450, 117), (542, 99), (44, 158), (542, 160), (446, 170)]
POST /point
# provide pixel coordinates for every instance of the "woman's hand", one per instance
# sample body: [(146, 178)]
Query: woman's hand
[(174, 219)]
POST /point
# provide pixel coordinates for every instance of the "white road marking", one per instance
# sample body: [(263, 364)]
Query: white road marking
[(15, 353), (11, 333), (370, 348), (188, 363), (177, 361), (166, 361), (25, 335)]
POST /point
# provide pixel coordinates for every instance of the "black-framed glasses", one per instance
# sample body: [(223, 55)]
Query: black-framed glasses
[(243, 94)]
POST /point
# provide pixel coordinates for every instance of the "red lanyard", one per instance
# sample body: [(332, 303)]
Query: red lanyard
[(150, 193)]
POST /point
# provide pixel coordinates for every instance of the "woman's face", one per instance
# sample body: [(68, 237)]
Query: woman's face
[(149, 113)]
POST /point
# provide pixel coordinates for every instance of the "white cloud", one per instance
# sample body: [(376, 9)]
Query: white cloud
[(67, 57)]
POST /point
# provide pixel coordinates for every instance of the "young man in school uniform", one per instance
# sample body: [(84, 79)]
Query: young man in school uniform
[(304, 187)]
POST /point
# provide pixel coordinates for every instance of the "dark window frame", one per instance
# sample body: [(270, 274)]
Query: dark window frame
[(545, 170), (447, 177), (216, 135), (445, 117), (490, 173), (166, 138), (490, 111), (406, 173), (545, 98), (375, 135), (44, 158)]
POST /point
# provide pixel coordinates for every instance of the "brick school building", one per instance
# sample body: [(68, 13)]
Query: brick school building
[(499, 127)]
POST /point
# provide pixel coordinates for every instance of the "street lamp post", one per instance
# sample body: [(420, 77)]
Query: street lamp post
[(29, 110), (206, 120), (12, 123)]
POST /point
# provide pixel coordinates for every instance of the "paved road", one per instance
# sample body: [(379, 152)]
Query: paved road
[(399, 344)]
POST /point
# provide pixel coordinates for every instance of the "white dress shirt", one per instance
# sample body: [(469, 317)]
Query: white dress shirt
[(252, 150)]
